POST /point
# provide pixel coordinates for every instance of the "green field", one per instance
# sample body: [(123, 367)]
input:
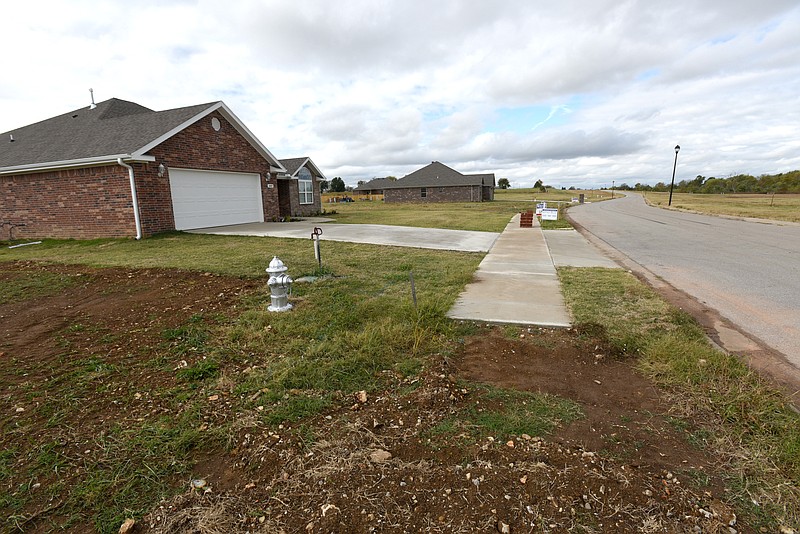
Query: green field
[(481, 216), (782, 207)]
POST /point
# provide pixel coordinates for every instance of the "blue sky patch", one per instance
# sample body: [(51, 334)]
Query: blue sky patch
[(526, 119)]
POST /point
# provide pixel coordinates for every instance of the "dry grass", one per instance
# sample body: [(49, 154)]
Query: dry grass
[(750, 424), (783, 207)]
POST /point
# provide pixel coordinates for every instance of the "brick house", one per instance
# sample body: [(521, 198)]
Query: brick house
[(120, 169), (439, 183), (298, 188), (374, 186)]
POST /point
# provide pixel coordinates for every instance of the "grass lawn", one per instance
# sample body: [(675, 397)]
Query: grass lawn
[(353, 329), (748, 421), (482, 216), (785, 207)]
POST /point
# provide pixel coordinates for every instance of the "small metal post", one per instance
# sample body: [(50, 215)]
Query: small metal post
[(413, 289), (315, 237)]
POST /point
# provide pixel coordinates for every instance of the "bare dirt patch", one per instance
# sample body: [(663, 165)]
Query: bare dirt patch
[(624, 466)]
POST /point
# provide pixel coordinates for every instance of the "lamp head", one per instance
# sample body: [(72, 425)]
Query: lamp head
[(677, 148)]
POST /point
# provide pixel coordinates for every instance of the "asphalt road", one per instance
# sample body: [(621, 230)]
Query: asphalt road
[(748, 271)]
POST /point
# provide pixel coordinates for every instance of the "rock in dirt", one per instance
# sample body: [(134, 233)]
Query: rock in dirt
[(361, 396), (504, 528), (380, 456), (127, 526)]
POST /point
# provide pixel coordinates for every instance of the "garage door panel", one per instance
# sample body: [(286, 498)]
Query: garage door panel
[(209, 198)]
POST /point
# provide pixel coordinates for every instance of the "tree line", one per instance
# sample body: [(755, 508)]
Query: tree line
[(788, 182)]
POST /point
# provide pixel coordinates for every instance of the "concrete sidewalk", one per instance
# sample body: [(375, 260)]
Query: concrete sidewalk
[(376, 234), (570, 249), (515, 283)]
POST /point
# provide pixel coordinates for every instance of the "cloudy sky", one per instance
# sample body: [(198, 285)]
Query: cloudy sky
[(575, 92)]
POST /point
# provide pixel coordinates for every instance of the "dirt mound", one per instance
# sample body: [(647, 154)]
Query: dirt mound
[(418, 456)]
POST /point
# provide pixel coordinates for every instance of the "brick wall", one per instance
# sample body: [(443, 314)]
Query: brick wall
[(96, 201), (303, 210), (466, 193), (70, 203), (199, 147)]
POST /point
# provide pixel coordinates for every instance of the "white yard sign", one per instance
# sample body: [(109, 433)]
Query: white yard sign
[(549, 214)]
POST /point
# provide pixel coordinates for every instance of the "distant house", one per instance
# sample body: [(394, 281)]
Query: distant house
[(298, 189), (439, 183), (120, 169), (373, 187)]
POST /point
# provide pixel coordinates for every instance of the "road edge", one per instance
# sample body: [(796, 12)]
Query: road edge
[(761, 357)]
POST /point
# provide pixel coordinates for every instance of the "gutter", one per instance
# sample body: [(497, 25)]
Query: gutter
[(67, 164), (134, 198)]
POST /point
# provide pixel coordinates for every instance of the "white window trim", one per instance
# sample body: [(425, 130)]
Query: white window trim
[(309, 194)]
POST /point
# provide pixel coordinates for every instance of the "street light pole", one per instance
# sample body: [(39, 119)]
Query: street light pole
[(612, 189), (675, 166)]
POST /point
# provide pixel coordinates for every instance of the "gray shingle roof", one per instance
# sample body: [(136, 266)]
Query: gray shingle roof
[(114, 127), (293, 164), (440, 175), (375, 183)]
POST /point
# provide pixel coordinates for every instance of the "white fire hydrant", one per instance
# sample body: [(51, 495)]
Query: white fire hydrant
[(279, 284)]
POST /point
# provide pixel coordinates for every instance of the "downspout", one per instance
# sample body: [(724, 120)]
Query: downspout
[(134, 198)]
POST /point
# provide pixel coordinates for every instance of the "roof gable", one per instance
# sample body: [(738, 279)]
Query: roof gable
[(439, 175), (293, 165), (114, 128)]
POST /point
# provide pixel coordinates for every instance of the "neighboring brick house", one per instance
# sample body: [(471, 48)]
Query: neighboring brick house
[(439, 183), (120, 169), (298, 189), (374, 186)]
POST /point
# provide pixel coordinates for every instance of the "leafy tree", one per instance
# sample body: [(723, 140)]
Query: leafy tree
[(503, 183), (323, 186), (360, 183), (337, 185), (392, 178), (538, 185)]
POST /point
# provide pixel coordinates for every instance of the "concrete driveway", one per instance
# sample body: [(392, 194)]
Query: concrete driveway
[(376, 234)]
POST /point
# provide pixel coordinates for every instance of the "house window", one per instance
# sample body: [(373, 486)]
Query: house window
[(306, 186), (423, 192)]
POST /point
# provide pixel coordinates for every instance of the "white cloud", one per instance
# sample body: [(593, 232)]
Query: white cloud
[(371, 88)]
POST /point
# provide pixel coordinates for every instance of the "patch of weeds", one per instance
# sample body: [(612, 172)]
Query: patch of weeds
[(322, 271), (697, 477), (681, 425), (560, 224), (305, 433), (134, 469), (48, 457), (202, 370), (409, 367), (699, 438), (21, 286), (511, 331), (295, 408), (509, 413), (7, 458), (189, 337), (96, 365)]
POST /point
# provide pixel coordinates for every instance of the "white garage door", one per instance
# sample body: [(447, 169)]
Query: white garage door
[(210, 198)]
